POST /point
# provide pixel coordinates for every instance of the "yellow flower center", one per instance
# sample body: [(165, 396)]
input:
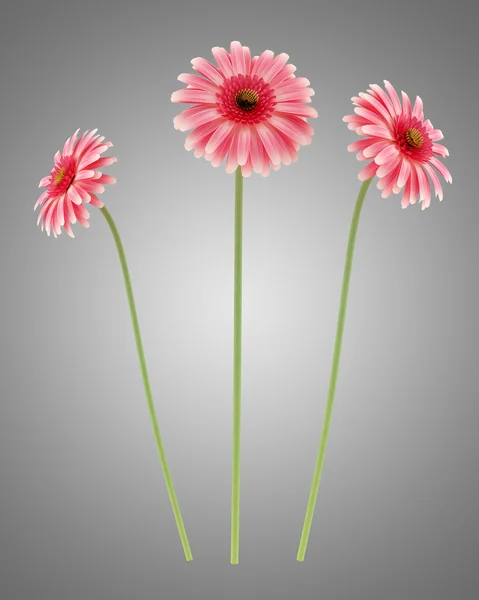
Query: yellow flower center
[(59, 176), (414, 138), (246, 99)]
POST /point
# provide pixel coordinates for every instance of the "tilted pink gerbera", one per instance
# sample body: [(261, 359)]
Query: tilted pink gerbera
[(73, 182), (251, 111), (402, 145)]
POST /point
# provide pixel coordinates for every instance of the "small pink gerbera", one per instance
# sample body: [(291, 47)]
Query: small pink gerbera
[(73, 182), (402, 145), (251, 111)]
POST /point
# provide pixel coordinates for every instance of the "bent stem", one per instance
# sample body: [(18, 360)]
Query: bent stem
[(334, 373), (235, 474), (146, 384)]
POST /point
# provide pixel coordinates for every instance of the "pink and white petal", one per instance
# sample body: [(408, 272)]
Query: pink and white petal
[(441, 168), (294, 108), (224, 61), (192, 96), (84, 174), (377, 92), (247, 168), (247, 59), (103, 162), (244, 142), (388, 153), (45, 182), (390, 166), (417, 111), (219, 135), (373, 149), (263, 64), (369, 101), (404, 173), (68, 230), (270, 143), (232, 158), (394, 97), (424, 187), (84, 141), (291, 129), (95, 201), (40, 200), (195, 116), (276, 67), (45, 207), (105, 179), (376, 131), (371, 116), (406, 103), (218, 156), (202, 131), (405, 200), (256, 152), (198, 83), (69, 212), (295, 95), (435, 181), (74, 195), (440, 149), (368, 171), (286, 73), (237, 58), (90, 186), (69, 144), (208, 70)]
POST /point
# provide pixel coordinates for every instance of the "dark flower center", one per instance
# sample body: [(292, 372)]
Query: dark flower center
[(246, 99), (59, 175), (414, 138)]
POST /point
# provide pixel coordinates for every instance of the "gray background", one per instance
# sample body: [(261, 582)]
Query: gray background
[(84, 512)]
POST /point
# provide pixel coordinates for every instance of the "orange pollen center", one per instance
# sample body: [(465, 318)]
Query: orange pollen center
[(59, 176), (414, 138), (246, 99)]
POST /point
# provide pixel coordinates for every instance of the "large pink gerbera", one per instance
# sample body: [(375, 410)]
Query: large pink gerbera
[(251, 111), (402, 145), (73, 182)]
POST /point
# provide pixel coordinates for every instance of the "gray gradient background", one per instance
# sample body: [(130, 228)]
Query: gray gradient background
[(84, 512)]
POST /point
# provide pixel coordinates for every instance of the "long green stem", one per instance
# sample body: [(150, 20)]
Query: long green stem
[(334, 373), (146, 383), (235, 480)]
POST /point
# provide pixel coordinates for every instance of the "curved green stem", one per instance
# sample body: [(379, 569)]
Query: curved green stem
[(146, 383), (334, 373), (235, 474)]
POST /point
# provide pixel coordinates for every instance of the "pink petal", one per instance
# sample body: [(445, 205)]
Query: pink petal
[(192, 96), (220, 134), (208, 70), (237, 58), (368, 171), (224, 61), (441, 168)]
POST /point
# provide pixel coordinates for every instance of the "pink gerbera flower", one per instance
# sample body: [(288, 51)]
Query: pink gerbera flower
[(73, 182), (402, 145), (251, 111)]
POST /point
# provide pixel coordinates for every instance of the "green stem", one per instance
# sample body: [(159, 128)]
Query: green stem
[(146, 383), (235, 482), (334, 373)]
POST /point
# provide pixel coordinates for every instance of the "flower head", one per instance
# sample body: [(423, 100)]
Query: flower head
[(73, 182), (401, 145), (251, 111)]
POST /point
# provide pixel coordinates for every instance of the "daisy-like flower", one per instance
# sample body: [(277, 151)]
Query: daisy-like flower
[(73, 182), (400, 144), (251, 111)]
